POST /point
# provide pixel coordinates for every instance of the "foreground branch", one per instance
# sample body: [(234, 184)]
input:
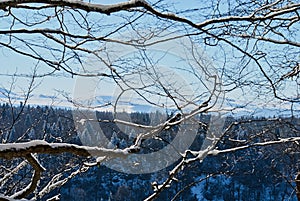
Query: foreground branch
[(89, 7), (38, 169), (14, 150)]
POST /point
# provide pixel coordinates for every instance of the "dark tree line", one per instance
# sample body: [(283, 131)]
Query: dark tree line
[(255, 173)]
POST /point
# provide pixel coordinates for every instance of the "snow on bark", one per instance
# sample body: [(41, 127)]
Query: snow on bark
[(11, 150)]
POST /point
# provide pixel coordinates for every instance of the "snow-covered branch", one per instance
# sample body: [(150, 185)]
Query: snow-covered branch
[(132, 42), (201, 155), (127, 5), (11, 173), (38, 169), (12, 150), (89, 7), (257, 144)]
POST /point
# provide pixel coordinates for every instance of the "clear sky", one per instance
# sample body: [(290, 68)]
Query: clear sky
[(12, 63)]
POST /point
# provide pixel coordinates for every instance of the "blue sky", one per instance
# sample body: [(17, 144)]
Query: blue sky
[(12, 63)]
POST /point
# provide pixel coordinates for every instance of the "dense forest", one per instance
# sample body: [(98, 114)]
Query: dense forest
[(255, 173)]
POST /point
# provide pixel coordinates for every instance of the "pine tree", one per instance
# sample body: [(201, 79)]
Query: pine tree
[(59, 124), (12, 137), (28, 121), (31, 134), (123, 144), (88, 135), (132, 135), (114, 141)]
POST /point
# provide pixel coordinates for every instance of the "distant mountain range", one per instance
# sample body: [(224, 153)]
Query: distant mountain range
[(103, 103)]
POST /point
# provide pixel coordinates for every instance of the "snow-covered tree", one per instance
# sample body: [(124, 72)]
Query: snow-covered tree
[(114, 141), (32, 134), (148, 54), (28, 121)]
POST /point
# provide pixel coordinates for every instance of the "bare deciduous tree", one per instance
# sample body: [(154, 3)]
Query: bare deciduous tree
[(216, 57)]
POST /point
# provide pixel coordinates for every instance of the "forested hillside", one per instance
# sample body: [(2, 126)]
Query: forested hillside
[(259, 172)]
